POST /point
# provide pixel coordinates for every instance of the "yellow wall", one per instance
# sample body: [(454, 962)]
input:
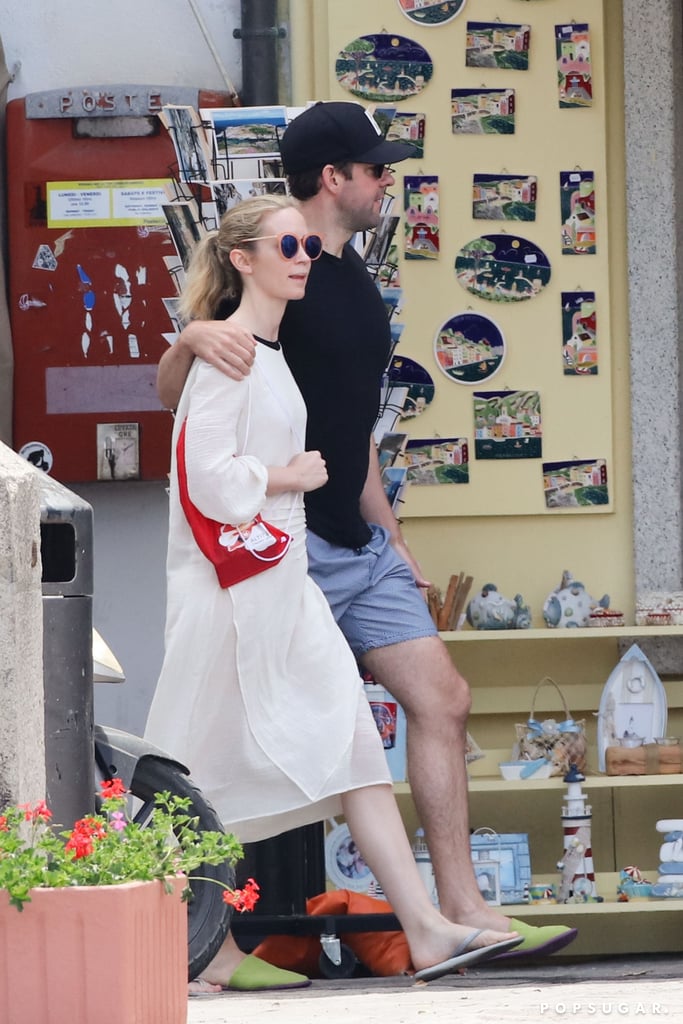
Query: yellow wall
[(497, 528)]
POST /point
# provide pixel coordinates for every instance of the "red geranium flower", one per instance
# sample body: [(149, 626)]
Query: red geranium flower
[(243, 899), (112, 788)]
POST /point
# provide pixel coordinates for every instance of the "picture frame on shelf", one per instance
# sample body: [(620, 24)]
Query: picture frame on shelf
[(487, 873), (510, 850)]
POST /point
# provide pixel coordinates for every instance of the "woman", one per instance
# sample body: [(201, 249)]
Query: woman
[(259, 693)]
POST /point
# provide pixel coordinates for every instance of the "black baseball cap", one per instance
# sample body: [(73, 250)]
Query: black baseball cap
[(330, 133)]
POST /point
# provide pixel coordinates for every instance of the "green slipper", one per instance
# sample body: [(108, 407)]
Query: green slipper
[(539, 940), (254, 975)]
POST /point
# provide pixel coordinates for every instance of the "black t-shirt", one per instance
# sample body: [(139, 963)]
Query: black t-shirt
[(336, 341)]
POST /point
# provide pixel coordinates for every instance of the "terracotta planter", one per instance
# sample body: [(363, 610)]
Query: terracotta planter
[(112, 954)]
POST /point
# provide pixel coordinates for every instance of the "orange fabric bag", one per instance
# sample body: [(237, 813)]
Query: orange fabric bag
[(384, 954)]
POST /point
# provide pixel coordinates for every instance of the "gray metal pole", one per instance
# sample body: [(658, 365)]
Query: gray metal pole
[(260, 34)]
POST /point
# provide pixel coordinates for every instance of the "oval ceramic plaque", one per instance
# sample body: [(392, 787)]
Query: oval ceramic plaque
[(383, 67), (418, 384), (431, 12), (469, 348), (502, 268)]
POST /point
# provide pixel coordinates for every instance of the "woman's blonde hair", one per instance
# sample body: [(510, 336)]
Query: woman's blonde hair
[(211, 277)]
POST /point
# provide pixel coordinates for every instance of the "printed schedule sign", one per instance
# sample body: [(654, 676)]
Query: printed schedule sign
[(98, 204)]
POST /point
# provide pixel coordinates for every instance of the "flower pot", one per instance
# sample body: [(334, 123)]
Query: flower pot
[(111, 954)]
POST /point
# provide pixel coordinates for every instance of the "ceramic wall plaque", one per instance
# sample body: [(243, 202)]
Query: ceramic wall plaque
[(575, 483), (383, 67), (418, 385), (431, 12), (577, 205), (502, 268), (507, 425), (421, 216), (483, 111), (493, 44), (574, 72), (504, 196), (579, 334), (469, 348), (438, 460)]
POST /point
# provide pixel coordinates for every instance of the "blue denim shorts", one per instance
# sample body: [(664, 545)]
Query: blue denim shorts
[(371, 591)]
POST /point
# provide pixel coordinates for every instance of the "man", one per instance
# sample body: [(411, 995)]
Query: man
[(336, 341)]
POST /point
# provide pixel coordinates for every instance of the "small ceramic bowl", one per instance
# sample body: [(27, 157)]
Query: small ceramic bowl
[(668, 741), (512, 770), (631, 741)]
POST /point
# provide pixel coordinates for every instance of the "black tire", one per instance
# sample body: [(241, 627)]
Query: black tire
[(208, 916)]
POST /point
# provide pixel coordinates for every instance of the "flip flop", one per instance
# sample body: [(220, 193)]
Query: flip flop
[(202, 987), (256, 975), (538, 940), (463, 956)]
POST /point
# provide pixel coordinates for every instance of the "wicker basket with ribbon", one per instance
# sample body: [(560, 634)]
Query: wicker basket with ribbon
[(561, 743)]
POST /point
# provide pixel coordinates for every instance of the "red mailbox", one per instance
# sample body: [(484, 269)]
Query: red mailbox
[(91, 263)]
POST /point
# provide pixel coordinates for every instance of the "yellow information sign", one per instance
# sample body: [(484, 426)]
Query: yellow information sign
[(106, 204)]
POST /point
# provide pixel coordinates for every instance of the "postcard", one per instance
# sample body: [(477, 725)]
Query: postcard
[(192, 147)]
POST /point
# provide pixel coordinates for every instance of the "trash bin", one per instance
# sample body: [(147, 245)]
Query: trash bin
[(66, 531)]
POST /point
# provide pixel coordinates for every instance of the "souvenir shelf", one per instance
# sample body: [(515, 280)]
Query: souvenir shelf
[(503, 667)]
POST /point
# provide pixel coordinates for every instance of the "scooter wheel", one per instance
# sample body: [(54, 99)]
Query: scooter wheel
[(208, 916)]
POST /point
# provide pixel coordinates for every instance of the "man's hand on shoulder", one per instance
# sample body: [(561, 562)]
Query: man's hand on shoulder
[(220, 343)]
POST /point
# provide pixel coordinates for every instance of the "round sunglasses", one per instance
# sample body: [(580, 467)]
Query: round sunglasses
[(288, 244)]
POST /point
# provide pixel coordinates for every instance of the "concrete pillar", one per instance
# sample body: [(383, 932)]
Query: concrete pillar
[(653, 33), (22, 729)]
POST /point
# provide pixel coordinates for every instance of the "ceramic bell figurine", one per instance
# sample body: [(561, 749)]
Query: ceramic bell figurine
[(570, 604), (490, 610)]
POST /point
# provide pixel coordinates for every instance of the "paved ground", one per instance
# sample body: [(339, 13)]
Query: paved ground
[(632, 989)]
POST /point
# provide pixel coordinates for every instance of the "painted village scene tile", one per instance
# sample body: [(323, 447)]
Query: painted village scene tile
[(437, 460), (507, 425), (483, 111), (493, 44), (577, 205), (575, 483), (579, 334), (575, 76), (421, 216), (504, 196)]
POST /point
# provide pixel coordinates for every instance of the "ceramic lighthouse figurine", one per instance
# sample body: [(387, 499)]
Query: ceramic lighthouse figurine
[(578, 875)]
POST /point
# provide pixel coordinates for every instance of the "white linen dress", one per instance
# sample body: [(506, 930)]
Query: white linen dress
[(259, 694)]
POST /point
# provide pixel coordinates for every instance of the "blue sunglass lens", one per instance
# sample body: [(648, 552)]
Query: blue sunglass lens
[(289, 244), (313, 246)]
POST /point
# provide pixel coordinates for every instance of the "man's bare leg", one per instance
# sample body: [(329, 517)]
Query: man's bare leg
[(436, 699)]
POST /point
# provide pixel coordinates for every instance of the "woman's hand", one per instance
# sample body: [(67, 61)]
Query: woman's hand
[(305, 472), (310, 470)]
